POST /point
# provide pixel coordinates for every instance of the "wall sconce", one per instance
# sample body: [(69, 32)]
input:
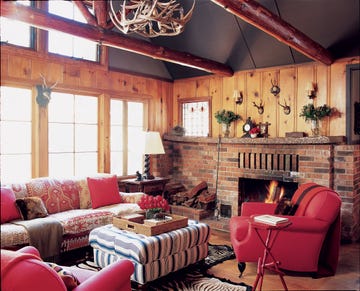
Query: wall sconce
[(311, 93), (275, 89), (238, 97)]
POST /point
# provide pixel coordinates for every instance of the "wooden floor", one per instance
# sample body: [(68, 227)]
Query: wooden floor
[(346, 278)]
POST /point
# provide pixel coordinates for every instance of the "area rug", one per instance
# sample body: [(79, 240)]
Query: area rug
[(192, 278)]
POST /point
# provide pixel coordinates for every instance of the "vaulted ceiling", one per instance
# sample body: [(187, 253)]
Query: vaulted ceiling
[(225, 41)]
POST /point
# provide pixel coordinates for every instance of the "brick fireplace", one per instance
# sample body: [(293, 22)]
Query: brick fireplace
[(323, 160)]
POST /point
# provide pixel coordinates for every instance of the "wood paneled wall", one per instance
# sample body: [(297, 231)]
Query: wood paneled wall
[(22, 68), (294, 81)]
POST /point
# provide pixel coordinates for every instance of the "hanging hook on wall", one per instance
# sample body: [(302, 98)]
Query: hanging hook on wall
[(259, 107), (275, 89), (285, 107)]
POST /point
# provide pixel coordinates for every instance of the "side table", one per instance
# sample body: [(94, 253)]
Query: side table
[(272, 232), (152, 187)]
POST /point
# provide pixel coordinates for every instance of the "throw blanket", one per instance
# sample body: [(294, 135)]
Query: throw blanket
[(45, 234)]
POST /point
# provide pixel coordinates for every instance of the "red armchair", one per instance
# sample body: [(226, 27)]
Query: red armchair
[(310, 244), (24, 270)]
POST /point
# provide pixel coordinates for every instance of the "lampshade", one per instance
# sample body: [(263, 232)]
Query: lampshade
[(152, 143)]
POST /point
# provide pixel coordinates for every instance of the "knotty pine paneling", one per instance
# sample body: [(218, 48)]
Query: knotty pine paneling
[(294, 81)]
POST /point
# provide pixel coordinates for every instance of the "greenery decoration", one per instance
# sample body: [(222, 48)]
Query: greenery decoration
[(226, 116), (310, 112)]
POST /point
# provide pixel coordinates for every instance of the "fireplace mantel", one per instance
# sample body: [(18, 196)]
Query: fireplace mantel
[(268, 141)]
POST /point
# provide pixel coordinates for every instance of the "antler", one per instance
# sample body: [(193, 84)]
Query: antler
[(150, 18), (45, 85)]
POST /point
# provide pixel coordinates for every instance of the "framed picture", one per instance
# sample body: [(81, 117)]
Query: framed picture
[(353, 104)]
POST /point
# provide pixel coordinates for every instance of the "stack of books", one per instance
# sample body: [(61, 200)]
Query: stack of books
[(270, 219)]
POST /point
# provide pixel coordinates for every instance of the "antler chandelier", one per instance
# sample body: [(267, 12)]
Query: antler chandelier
[(150, 18)]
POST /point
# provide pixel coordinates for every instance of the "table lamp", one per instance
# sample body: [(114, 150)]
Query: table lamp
[(153, 146)]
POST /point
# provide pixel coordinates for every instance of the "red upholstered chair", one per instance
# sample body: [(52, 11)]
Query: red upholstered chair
[(24, 270), (310, 244)]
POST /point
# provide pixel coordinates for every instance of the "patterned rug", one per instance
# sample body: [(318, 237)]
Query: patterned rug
[(192, 278)]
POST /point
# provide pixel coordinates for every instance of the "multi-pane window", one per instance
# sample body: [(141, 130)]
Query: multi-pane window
[(195, 118), (73, 135), (16, 32), (126, 127), (66, 44), (15, 134)]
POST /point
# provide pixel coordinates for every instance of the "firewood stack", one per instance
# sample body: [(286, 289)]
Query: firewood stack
[(199, 197)]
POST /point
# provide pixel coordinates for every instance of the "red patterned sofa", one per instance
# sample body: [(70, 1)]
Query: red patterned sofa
[(66, 211)]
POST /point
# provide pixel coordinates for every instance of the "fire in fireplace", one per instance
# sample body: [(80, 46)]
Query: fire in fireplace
[(269, 191)]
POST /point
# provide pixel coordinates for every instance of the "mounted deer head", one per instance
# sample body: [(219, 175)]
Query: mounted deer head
[(286, 108), (275, 89), (44, 92), (259, 107)]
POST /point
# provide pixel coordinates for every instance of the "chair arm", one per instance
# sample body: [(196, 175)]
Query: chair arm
[(251, 208), (114, 277), (29, 250), (306, 225)]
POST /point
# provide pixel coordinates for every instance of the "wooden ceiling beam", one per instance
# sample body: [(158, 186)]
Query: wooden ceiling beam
[(44, 20), (90, 19), (262, 18), (101, 12)]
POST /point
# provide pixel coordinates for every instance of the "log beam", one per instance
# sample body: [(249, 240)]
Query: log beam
[(44, 20), (90, 19), (101, 12), (262, 18)]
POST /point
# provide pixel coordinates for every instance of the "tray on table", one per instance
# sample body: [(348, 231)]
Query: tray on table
[(175, 222)]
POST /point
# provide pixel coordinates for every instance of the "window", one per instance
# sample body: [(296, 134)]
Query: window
[(16, 32), (195, 117), (66, 44), (15, 134), (126, 126), (73, 135)]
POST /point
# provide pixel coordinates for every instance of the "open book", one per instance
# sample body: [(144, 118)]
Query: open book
[(270, 219)]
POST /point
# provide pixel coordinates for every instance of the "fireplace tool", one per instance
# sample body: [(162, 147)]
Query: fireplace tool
[(217, 202)]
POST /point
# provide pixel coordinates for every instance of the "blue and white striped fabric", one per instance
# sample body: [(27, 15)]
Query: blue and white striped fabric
[(153, 256)]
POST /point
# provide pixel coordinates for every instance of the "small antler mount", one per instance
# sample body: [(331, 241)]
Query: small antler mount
[(44, 92)]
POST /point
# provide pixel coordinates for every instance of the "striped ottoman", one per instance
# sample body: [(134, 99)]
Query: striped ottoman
[(153, 256)]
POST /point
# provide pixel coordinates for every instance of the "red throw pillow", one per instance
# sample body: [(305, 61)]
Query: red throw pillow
[(9, 210), (103, 191)]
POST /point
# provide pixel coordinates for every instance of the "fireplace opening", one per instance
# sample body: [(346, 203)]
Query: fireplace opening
[(269, 191)]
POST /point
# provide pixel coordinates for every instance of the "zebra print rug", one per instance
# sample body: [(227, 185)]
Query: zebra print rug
[(192, 278)]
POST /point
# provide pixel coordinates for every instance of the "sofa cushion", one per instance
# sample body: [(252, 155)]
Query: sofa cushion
[(8, 208), (84, 193), (58, 194), (68, 277), (13, 235), (31, 207), (82, 220), (103, 191)]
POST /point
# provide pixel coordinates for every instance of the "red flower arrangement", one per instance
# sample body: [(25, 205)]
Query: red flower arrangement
[(254, 130), (147, 202)]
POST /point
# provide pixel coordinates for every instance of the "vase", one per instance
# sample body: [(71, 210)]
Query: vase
[(150, 213), (315, 127), (253, 135), (226, 129)]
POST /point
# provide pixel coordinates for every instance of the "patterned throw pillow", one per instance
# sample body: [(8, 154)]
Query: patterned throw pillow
[(68, 278), (58, 194), (285, 207), (31, 207)]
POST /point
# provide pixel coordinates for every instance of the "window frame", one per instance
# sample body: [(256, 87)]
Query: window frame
[(125, 126), (183, 101), (32, 37)]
